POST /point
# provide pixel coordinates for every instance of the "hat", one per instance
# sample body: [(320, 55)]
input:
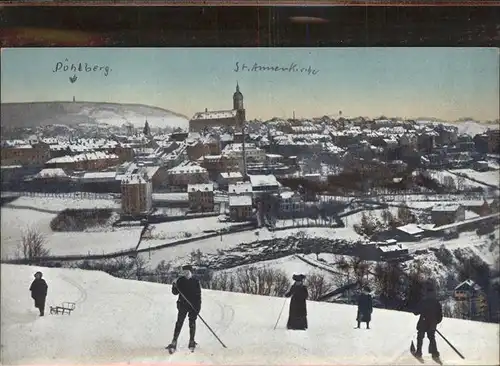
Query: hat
[(38, 273), (187, 267), (299, 277)]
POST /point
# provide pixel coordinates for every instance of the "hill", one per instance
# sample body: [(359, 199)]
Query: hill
[(74, 113), (129, 321)]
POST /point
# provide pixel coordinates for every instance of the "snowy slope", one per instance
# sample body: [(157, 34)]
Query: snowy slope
[(127, 321), (73, 113)]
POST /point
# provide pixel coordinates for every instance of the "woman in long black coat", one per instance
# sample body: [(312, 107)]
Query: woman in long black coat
[(38, 290), (297, 318), (365, 308)]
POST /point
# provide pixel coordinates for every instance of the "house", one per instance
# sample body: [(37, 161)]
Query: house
[(240, 188), (183, 175), (229, 178), (137, 195), (264, 183), (240, 207), (480, 207), (466, 290), (481, 166), (201, 197), (291, 204), (409, 232), (391, 250), (442, 214)]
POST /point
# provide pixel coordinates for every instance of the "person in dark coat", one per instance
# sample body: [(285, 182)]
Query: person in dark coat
[(365, 308), (189, 304), (38, 290), (431, 314), (297, 318)]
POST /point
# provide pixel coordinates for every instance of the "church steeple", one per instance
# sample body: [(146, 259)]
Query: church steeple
[(238, 98)]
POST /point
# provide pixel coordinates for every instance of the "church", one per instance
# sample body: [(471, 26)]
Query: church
[(229, 118)]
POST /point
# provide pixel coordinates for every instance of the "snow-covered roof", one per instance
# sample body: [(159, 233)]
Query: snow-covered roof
[(243, 200), (411, 229), (96, 155), (51, 173), (99, 175), (201, 187), (263, 180), (228, 175), (214, 115), (239, 188), (445, 208), (133, 179)]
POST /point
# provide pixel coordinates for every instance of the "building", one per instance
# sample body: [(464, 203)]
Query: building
[(493, 141), (25, 154), (447, 214), (240, 207), (92, 161), (481, 166), (201, 197), (182, 175), (264, 183), (234, 118), (240, 188), (466, 290), (137, 195), (228, 178)]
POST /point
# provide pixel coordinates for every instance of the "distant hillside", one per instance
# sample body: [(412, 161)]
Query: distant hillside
[(73, 113)]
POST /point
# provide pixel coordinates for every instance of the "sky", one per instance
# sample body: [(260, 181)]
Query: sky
[(445, 83)]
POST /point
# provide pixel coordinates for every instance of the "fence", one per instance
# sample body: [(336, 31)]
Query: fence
[(72, 195)]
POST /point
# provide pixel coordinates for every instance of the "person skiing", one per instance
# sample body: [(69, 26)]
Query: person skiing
[(38, 290), (189, 303), (365, 307), (431, 314), (297, 317)]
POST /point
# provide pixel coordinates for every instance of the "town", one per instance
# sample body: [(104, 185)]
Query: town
[(338, 194)]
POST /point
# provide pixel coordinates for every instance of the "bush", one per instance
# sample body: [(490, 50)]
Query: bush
[(444, 255), (32, 245)]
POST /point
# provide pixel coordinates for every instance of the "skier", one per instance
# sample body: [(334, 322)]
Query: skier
[(297, 318), (431, 314), (365, 307), (189, 290), (38, 290)]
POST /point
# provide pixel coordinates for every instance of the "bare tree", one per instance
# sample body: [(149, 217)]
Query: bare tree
[(318, 285), (32, 245)]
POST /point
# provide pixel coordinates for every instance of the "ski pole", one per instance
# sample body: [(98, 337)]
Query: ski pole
[(449, 344), (279, 316), (204, 322)]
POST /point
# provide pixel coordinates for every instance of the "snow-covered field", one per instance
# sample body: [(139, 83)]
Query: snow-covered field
[(176, 230), (62, 203), (491, 177), (290, 265), (124, 321), (23, 214), (470, 128), (179, 254)]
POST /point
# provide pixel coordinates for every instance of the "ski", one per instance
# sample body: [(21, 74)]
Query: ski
[(171, 348), (437, 360), (413, 353)]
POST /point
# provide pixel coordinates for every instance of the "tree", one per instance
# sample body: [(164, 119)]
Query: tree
[(405, 216), (460, 182), (32, 245)]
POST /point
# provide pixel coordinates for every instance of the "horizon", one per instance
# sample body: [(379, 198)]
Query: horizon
[(448, 83)]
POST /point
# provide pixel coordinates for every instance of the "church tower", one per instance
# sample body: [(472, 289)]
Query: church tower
[(240, 110), (238, 99)]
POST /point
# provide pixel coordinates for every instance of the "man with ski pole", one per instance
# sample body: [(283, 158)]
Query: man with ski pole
[(189, 304)]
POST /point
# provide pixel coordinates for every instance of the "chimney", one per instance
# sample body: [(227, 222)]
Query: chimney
[(206, 109)]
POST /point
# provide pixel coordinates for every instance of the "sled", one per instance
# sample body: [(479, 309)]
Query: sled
[(65, 308)]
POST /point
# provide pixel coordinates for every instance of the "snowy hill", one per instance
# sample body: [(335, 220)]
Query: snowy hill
[(128, 321), (470, 128), (73, 113)]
